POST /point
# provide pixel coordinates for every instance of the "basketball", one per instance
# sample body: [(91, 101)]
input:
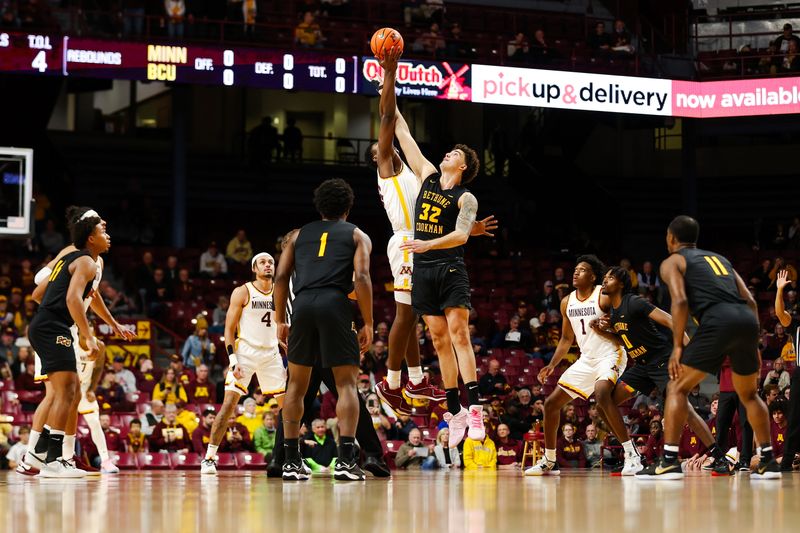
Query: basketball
[(385, 39)]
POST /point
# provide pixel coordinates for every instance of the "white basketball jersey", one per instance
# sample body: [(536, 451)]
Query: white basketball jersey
[(85, 366), (257, 324), (399, 196), (581, 314)]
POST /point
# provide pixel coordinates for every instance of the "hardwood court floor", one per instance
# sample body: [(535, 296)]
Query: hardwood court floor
[(434, 502)]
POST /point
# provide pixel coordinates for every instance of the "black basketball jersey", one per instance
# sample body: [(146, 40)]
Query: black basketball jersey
[(323, 256), (435, 215), (55, 296), (709, 280), (631, 321)]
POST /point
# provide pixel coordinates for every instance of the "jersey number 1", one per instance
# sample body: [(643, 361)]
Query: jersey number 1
[(323, 242)]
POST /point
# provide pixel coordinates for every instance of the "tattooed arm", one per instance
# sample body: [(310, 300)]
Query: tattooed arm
[(468, 205)]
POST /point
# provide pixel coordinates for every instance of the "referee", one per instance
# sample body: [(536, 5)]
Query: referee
[(793, 327)]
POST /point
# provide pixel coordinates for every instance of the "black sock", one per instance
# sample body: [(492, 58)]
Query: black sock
[(347, 448), (670, 456), (453, 403), (472, 393), (715, 452), (291, 449), (44, 439), (54, 446), (766, 453)]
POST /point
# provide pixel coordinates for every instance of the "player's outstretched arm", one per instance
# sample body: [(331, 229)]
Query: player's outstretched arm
[(282, 276), (564, 343), (85, 270), (780, 309), (388, 111), (363, 287), (237, 303), (421, 167), (458, 237)]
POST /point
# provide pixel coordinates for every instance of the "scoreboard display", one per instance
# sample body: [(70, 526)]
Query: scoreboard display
[(193, 64)]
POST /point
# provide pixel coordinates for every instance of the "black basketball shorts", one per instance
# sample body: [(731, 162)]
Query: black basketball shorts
[(323, 331), (644, 376), (435, 288), (53, 342), (726, 329)]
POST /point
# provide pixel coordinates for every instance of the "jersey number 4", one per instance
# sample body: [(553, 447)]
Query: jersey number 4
[(267, 319), (430, 213), (716, 265)]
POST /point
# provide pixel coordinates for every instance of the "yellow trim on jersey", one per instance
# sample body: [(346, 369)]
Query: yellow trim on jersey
[(402, 166), (573, 389), (274, 392), (399, 192), (90, 411), (37, 379), (713, 265), (402, 289), (259, 290), (248, 296)]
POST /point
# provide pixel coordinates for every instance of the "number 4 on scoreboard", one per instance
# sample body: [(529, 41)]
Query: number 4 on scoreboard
[(40, 61)]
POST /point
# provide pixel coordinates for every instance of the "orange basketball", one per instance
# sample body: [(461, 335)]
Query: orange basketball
[(384, 39)]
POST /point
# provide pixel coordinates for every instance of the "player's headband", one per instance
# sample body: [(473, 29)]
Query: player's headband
[(257, 256), (89, 214)]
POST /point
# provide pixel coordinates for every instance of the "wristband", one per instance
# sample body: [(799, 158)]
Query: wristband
[(232, 361), (229, 348)]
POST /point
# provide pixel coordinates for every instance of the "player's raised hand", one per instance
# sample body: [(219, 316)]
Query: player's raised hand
[(416, 246), (484, 227), (544, 373), (122, 331), (390, 58), (782, 280), (364, 339)]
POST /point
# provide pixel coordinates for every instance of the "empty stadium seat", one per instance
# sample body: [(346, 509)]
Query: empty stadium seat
[(250, 461), (226, 461), (185, 461), (124, 461), (153, 461)]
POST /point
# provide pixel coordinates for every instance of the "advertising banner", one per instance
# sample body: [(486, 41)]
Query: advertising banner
[(421, 79), (736, 98)]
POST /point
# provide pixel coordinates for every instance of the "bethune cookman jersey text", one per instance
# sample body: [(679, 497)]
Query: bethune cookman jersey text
[(436, 215), (399, 194), (257, 325)]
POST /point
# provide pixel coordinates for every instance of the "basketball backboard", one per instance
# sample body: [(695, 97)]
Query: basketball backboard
[(16, 191)]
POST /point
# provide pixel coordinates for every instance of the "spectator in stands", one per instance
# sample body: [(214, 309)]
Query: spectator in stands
[(791, 60), (446, 458), (793, 234), (549, 301), (184, 287), (122, 375), (783, 40), (169, 435), (518, 48), (791, 304), (509, 451), (648, 279), (171, 270), (169, 389), (146, 376), (308, 34), (249, 418), (570, 414), (431, 42), (541, 53), (700, 402), (239, 249), (159, 292), (113, 439), (780, 264), (6, 316), (559, 277), (144, 272), (111, 395), (198, 349), (413, 454), (600, 41), (133, 13), (24, 316), (153, 417), (621, 39), (759, 278), (379, 420), (480, 455), (175, 11), (116, 301), (382, 332), (593, 418), (201, 436), (318, 449), (25, 381), (183, 374), (201, 390), (402, 427), (493, 382), (292, 141), (569, 450), (135, 440), (8, 348), (412, 10), (264, 437), (212, 263), (770, 393), (514, 336), (655, 442), (777, 376), (778, 428), (237, 439), (774, 343), (591, 447), (17, 452), (52, 240), (457, 46)]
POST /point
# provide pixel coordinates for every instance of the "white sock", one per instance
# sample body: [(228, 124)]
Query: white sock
[(32, 440), (550, 455), (98, 437), (68, 448), (630, 449), (393, 379), (415, 374), (211, 452)]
